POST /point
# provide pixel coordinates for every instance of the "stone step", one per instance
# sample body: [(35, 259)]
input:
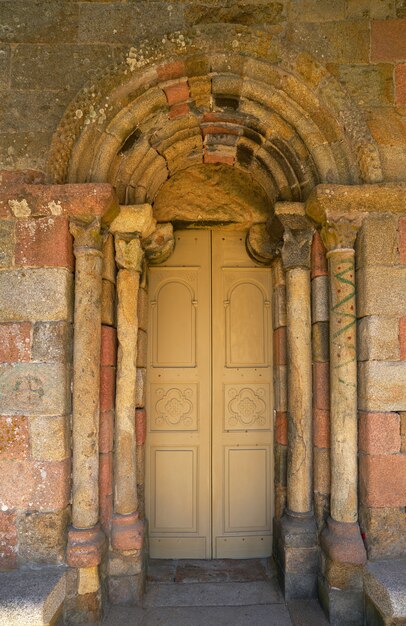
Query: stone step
[(385, 592), (212, 594), (32, 597)]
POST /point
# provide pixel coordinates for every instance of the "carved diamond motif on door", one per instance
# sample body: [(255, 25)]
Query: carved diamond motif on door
[(209, 453)]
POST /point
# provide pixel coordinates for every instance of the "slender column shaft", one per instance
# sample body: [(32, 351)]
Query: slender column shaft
[(125, 489), (299, 484), (86, 373), (343, 385)]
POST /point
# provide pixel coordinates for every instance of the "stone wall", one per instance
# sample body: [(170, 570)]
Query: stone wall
[(381, 275), (52, 48), (36, 285)]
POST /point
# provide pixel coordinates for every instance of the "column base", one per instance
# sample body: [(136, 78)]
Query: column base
[(341, 579), (126, 568), (296, 553), (127, 532), (85, 546)]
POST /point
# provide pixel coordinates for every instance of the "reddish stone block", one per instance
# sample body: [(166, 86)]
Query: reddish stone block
[(106, 473), (318, 257), (216, 129), (216, 157), (8, 540), (85, 546), (402, 239), (177, 92), (170, 71), (14, 438), (214, 117), (379, 433), (56, 200), (106, 512), (178, 110), (281, 428), (108, 355), (106, 431), (383, 480), (107, 388), (15, 342), (35, 485), (279, 346), (388, 40), (29, 177), (400, 84), (321, 386), (402, 337), (140, 426), (45, 241), (321, 428)]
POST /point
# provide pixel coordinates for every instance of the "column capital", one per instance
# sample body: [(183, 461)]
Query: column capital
[(297, 241), (129, 252), (86, 233), (339, 230), (160, 244)]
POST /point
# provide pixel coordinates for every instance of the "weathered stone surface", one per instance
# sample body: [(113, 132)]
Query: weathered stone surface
[(125, 495), (373, 282), (14, 437), (320, 299), (8, 540), (42, 242), (280, 388), (382, 386), (403, 431), (321, 466), (135, 219), (385, 586), (86, 199), (383, 480), (7, 242), (339, 42), (42, 536), (379, 433), (212, 193), (385, 530), (35, 485), (263, 246), (279, 306), (160, 244), (86, 372), (142, 348), (34, 389), (143, 309), (297, 240), (377, 240), (32, 596), (15, 342), (52, 21), (108, 303), (52, 342), (320, 341), (370, 85), (141, 387), (378, 338), (341, 605), (88, 580), (50, 438), (36, 294), (378, 198)]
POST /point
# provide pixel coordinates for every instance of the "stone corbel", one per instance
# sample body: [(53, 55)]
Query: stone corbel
[(159, 246)]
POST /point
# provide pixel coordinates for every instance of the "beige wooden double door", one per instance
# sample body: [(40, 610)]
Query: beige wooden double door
[(209, 488)]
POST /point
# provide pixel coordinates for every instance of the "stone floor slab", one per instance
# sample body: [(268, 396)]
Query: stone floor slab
[(212, 594), (306, 613), (266, 615)]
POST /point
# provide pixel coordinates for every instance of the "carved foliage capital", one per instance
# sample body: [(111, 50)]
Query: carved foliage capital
[(129, 253), (86, 233), (297, 241), (340, 231)]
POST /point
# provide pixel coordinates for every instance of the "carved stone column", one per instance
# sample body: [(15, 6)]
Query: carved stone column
[(85, 539), (132, 223), (341, 540), (297, 551)]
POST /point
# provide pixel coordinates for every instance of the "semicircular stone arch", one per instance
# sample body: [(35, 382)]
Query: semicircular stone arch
[(221, 96)]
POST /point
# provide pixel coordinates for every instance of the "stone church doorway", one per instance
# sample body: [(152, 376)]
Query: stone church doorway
[(209, 483)]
